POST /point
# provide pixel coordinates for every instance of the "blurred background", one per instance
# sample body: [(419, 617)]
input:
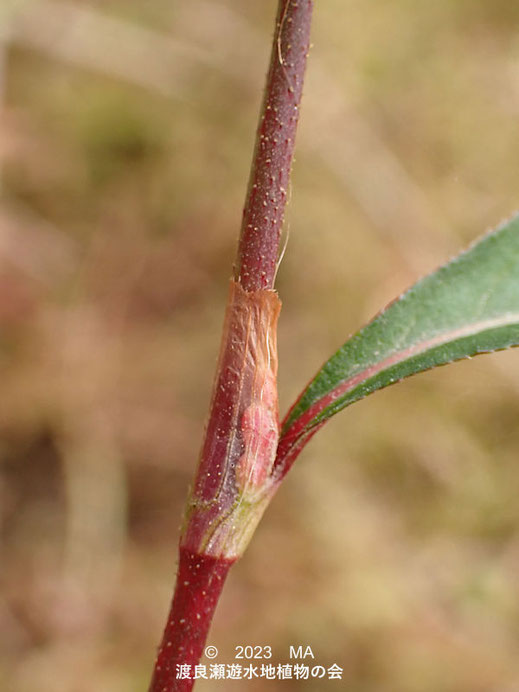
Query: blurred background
[(126, 131)]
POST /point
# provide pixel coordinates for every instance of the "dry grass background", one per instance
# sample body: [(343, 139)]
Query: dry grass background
[(125, 140)]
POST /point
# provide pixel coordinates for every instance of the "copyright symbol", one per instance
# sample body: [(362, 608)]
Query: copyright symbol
[(211, 651)]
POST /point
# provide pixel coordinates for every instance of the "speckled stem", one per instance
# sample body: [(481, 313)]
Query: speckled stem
[(270, 173), (223, 495), (200, 580)]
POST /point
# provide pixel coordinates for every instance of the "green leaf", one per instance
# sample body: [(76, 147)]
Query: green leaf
[(467, 307)]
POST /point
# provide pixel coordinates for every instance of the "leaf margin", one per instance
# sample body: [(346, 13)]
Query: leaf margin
[(318, 401)]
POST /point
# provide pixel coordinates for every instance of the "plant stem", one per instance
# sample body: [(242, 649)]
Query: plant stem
[(200, 581), (234, 482), (270, 174)]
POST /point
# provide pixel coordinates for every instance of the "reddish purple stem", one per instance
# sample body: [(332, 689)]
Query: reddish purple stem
[(200, 580), (270, 176), (201, 577)]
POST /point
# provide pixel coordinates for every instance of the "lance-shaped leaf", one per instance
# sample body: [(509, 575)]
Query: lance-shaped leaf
[(467, 307)]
